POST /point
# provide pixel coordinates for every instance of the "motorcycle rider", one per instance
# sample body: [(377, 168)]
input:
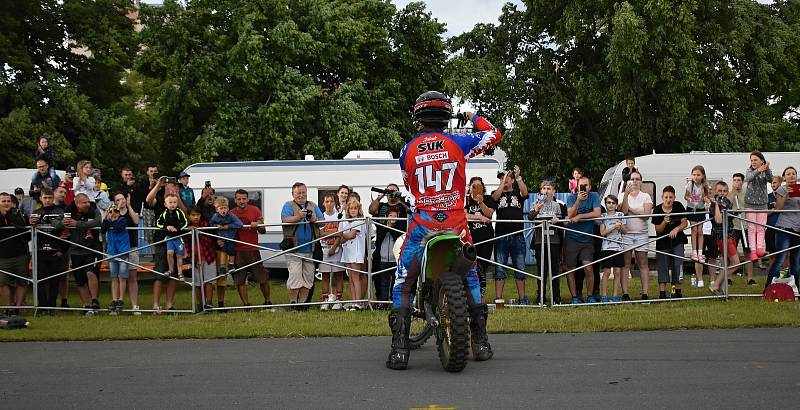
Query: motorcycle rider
[(433, 165)]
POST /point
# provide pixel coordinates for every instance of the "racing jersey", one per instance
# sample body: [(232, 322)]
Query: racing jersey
[(434, 165)]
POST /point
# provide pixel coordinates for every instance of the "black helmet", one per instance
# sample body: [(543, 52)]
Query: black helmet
[(433, 109)]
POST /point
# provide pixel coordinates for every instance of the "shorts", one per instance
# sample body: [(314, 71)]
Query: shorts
[(616, 261), (228, 247), (176, 245), (769, 238), (336, 259), (206, 271), (257, 272), (731, 247), (740, 237), (160, 262), (696, 217), (80, 274), (133, 257), (632, 240), (118, 268), (17, 265), (710, 249), (575, 252), (301, 271)]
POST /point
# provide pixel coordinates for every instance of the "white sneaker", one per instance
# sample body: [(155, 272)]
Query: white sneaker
[(700, 284), (347, 306), (136, 311), (331, 299), (337, 305)]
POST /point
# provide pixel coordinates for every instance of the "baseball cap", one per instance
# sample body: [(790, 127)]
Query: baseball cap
[(19, 191), (183, 174), (71, 169)]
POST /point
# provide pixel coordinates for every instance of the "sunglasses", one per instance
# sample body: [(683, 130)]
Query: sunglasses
[(611, 203)]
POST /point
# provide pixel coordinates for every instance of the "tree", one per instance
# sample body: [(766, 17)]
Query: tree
[(267, 79), (586, 82), (64, 66)]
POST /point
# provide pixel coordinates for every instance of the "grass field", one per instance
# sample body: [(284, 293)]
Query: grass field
[(751, 312)]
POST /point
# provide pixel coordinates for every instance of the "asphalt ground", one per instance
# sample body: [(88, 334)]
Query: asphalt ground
[(742, 368)]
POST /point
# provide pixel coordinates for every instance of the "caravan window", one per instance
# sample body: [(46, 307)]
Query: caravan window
[(253, 194)]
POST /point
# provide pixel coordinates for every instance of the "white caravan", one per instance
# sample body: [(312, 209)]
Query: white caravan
[(269, 182), (13, 178)]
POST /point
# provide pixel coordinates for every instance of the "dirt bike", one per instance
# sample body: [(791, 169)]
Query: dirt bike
[(440, 302)]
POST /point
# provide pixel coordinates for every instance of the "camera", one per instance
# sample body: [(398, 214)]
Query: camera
[(582, 188), (49, 218), (208, 184), (390, 194), (67, 215), (719, 198), (540, 197), (170, 180)]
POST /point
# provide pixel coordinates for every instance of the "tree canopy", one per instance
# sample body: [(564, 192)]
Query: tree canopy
[(577, 83), (586, 82)]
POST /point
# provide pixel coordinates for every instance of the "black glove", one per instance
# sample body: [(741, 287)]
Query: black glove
[(462, 119)]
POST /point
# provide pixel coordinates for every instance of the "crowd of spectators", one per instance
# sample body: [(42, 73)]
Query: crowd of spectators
[(593, 239)]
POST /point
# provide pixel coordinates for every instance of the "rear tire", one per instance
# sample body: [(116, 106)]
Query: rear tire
[(452, 334)]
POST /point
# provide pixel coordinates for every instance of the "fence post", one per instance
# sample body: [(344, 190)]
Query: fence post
[(368, 248), (725, 289), (35, 269), (195, 251), (546, 239), (540, 261)]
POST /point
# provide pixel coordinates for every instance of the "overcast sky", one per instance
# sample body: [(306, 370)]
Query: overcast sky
[(462, 15)]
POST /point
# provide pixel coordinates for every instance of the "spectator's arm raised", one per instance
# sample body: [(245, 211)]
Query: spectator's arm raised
[(151, 196), (523, 189)]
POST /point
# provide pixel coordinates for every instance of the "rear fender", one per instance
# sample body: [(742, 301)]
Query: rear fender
[(445, 253)]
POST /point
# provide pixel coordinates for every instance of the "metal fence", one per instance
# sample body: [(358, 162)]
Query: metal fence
[(370, 223)]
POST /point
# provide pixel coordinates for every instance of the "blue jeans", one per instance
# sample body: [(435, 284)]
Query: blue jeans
[(785, 241), (118, 268), (514, 246)]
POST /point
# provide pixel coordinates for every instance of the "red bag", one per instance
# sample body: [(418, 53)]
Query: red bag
[(778, 292)]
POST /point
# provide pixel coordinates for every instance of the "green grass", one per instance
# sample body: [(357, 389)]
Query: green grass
[(699, 314), (685, 315)]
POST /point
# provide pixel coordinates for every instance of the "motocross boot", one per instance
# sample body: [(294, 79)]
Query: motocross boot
[(481, 349), (400, 324)]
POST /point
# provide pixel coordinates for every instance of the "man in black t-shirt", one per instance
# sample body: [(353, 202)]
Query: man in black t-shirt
[(510, 202)]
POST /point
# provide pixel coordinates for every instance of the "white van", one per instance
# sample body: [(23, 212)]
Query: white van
[(269, 182), (13, 178)]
